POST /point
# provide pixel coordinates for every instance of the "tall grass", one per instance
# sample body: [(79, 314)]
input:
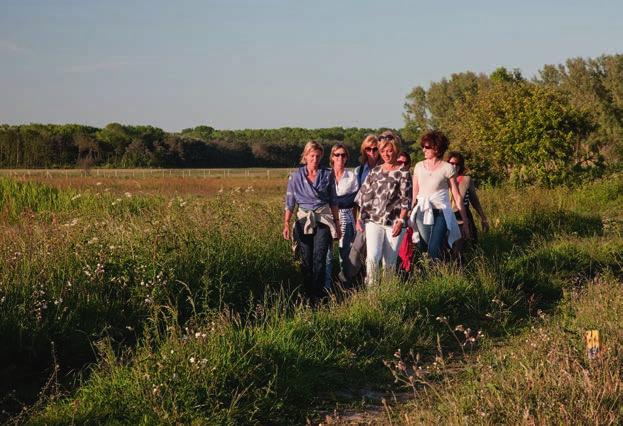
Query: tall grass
[(100, 266), (190, 304), (542, 376)]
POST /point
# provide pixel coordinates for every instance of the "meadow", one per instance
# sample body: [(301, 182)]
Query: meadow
[(175, 300)]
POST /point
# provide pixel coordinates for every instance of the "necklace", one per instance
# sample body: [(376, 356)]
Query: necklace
[(430, 169)]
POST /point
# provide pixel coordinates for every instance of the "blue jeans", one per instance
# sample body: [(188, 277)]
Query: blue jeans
[(313, 255), (432, 236), (344, 251)]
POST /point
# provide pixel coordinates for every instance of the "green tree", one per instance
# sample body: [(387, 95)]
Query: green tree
[(594, 86), (524, 132), (502, 75), (435, 108)]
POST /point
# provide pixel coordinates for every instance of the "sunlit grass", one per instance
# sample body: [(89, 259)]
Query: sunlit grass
[(192, 301)]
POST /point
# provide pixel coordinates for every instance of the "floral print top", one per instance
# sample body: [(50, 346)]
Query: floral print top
[(384, 194)]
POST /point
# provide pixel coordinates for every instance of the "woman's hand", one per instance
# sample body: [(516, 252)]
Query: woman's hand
[(397, 228), (286, 232), (338, 230), (359, 226)]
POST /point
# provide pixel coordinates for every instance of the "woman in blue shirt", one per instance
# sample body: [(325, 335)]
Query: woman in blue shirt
[(312, 189)]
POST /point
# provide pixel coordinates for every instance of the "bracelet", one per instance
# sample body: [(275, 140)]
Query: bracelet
[(402, 221)]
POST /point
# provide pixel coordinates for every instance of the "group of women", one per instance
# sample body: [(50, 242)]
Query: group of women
[(379, 200)]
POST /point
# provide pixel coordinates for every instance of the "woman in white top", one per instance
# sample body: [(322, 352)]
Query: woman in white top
[(433, 214), (346, 187)]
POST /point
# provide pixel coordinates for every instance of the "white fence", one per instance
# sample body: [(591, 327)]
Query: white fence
[(254, 173)]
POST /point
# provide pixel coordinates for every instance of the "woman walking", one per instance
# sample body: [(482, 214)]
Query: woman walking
[(384, 200), (317, 223), (346, 187), (467, 193), (433, 214)]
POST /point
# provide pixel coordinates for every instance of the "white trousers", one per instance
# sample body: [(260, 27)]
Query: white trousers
[(380, 247)]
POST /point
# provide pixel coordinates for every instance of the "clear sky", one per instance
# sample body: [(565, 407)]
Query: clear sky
[(237, 64)]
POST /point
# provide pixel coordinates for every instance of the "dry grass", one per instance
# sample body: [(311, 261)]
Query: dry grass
[(540, 377), (167, 186)]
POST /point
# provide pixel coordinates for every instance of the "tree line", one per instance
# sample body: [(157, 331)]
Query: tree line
[(566, 123), (563, 125), (117, 145)]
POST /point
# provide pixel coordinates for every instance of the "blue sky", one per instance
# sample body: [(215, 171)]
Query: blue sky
[(271, 63)]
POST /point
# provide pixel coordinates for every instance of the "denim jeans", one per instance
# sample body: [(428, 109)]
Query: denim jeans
[(432, 236), (344, 251), (313, 255), (382, 248)]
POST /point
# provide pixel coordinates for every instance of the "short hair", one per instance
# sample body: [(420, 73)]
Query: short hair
[(460, 163), (389, 138), (334, 148), (311, 146), (384, 142), (407, 156), (437, 139), (368, 140)]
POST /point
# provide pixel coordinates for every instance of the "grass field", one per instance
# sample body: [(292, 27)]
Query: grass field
[(174, 300)]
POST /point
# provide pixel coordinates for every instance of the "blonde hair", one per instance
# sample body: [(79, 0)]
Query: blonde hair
[(393, 143), (311, 146), (388, 137), (335, 148), (368, 140)]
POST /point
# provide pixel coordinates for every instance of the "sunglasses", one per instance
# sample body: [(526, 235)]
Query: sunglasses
[(400, 161), (372, 149), (386, 138), (428, 147), (454, 163), (339, 154)]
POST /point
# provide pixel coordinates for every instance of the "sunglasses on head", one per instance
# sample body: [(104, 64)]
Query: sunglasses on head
[(386, 138), (372, 149), (339, 154)]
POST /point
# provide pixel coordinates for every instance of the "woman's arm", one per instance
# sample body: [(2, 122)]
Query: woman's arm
[(406, 193), (459, 204), (358, 210), (416, 190), (399, 222), (473, 198), (286, 224), (290, 204), (336, 219), (333, 203)]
